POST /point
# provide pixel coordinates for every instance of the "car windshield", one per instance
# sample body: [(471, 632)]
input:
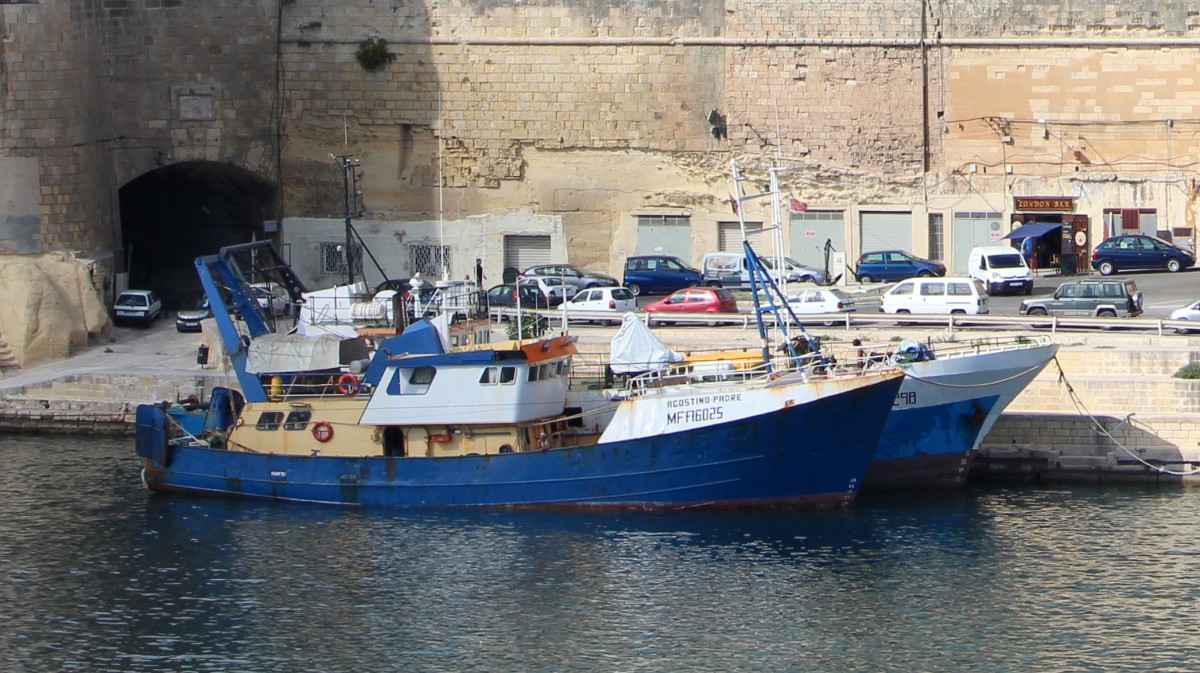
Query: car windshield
[(1012, 261), (198, 304)]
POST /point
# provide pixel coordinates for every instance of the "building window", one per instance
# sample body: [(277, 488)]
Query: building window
[(1119, 221), (429, 260), (333, 260), (935, 235)]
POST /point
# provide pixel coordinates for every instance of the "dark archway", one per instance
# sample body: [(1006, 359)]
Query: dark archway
[(174, 214)]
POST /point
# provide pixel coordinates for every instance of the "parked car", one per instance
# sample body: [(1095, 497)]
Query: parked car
[(1131, 252), (1089, 297), (892, 265), (575, 276), (505, 296), (556, 290), (137, 306), (939, 296), (188, 319), (730, 270), (614, 299), (1189, 312), (659, 274), (821, 300), (272, 298), (695, 300)]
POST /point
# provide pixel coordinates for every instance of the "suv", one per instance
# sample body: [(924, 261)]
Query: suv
[(579, 278), (659, 274), (1137, 251), (888, 265), (1101, 298), (138, 306)]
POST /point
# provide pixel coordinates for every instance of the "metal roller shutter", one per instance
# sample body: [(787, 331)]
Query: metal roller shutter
[(522, 252), (886, 231), (730, 234)]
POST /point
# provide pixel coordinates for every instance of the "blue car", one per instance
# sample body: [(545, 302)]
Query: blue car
[(1136, 251), (659, 274), (889, 265)]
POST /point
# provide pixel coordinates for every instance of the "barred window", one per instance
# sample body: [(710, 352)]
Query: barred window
[(429, 260), (333, 260)]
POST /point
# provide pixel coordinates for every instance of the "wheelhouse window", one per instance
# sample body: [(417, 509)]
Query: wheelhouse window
[(490, 376), (508, 374), (413, 381), (297, 420), (269, 420)]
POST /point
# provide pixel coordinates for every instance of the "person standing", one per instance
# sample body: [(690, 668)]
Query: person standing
[(479, 272), (1029, 252)]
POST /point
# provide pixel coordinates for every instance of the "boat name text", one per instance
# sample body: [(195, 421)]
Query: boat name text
[(700, 409)]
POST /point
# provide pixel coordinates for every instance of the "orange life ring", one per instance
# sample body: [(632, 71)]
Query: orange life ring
[(347, 384), (322, 431)]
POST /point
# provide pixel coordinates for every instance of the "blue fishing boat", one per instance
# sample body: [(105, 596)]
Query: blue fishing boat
[(431, 420), (951, 397)]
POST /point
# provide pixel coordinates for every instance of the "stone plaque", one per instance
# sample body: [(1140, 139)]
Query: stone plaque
[(197, 107)]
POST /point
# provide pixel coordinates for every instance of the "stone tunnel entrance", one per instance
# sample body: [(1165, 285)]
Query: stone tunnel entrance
[(174, 214)]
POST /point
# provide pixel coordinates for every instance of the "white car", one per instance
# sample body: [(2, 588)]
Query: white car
[(614, 299), (1189, 312), (139, 306), (821, 300), (270, 297), (556, 290)]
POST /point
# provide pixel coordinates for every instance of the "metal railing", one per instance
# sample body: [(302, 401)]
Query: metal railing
[(1054, 324)]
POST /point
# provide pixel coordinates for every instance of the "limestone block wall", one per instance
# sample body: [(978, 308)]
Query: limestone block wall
[(53, 112)]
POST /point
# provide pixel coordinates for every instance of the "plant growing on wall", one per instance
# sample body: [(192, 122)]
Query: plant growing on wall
[(373, 53), (1188, 371)]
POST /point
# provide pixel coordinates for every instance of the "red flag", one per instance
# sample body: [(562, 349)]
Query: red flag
[(796, 205), (733, 204)]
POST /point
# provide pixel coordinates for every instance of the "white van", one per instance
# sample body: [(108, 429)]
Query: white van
[(1001, 269), (729, 270), (965, 296)]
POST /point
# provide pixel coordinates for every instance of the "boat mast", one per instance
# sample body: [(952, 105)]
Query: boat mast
[(350, 195)]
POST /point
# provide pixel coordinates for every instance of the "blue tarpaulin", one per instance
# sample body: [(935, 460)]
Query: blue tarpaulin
[(1033, 229)]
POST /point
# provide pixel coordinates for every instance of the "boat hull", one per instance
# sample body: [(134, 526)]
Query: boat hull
[(813, 453), (943, 411)]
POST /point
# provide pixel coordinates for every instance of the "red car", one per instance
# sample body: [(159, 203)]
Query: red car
[(695, 300)]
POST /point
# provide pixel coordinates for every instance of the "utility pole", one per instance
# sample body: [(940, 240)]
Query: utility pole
[(350, 195)]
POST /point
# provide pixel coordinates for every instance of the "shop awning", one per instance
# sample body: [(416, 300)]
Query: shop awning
[(1033, 229)]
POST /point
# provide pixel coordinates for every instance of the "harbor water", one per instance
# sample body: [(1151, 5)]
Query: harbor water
[(96, 574)]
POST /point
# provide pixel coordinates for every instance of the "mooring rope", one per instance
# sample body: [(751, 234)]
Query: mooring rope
[(1081, 408), (974, 385)]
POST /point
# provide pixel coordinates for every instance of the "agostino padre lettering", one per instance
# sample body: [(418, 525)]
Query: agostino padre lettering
[(700, 409)]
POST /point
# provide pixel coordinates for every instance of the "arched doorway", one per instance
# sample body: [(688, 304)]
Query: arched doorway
[(174, 214)]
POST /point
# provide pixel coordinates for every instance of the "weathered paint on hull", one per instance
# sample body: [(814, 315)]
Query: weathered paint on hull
[(807, 454), (927, 445)]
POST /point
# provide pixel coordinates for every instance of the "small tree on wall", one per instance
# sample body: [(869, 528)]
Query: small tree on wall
[(373, 53)]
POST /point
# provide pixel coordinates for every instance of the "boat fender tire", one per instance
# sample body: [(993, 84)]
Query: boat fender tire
[(322, 431), (347, 384)]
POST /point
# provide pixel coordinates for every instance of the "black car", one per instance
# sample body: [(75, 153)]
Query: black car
[(505, 296), (1130, 252)]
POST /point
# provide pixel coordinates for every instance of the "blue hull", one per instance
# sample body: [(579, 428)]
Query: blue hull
[(928, 446), (807, 454)]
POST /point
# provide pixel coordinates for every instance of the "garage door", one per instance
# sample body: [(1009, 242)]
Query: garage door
[(522, 252), (665, 235), (731, 237), (808, 232), (886, 231)]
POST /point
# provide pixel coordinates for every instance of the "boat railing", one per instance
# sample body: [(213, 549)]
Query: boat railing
[(890, 353)]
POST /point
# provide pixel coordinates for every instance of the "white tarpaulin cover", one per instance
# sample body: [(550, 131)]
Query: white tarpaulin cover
[(635, 348), (272, 353)]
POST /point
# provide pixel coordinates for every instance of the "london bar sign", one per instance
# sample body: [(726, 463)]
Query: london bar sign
[(1064, 204)]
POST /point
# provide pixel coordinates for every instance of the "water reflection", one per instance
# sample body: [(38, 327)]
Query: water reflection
[(98, 575)]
